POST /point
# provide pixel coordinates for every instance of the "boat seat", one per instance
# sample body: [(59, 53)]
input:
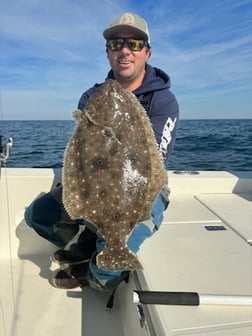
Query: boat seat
[(227, 208)]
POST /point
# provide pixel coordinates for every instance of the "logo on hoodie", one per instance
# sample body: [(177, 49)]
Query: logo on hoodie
[(166, 135)]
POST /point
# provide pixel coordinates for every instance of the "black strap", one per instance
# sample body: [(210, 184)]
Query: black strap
[(146, 100), (116, 282)]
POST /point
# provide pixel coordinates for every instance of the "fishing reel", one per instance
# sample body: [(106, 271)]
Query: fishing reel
[(5, 148)]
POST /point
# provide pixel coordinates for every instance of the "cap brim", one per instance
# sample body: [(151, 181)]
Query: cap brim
[(110, 32)]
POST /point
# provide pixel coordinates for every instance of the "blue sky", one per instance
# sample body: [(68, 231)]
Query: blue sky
[(53, 50)]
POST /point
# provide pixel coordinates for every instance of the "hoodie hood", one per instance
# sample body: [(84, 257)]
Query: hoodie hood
[(155, 79)]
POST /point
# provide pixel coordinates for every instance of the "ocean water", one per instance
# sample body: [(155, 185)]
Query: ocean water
[(200, 145)]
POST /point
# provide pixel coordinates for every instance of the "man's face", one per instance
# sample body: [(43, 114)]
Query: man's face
[(128, 66)]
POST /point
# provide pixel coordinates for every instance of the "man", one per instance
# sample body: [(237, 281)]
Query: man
[(128, 50)]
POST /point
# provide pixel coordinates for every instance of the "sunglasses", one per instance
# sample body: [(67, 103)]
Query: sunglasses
[(117, 44)]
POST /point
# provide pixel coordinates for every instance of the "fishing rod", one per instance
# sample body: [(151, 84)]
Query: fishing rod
[(5, 147), (189, 298)]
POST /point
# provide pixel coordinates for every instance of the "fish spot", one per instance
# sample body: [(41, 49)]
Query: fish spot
[(99, 163), (108, 133), (116, 216), (86, 194), (103, 193)]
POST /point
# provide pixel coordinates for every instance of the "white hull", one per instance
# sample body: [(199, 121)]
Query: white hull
[(182, 257)]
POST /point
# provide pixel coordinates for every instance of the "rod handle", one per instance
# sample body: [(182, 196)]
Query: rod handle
[(166, 298)]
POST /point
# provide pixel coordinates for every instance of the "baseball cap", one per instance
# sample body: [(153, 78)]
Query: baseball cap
[(128, 21)]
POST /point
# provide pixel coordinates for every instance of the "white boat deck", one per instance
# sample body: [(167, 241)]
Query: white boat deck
[(182, 256)]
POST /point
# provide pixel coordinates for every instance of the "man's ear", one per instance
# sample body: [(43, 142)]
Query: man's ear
[(148, 54)]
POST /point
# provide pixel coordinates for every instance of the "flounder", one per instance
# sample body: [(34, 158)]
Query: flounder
[(112, 171)]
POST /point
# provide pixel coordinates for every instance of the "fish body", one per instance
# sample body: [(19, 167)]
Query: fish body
[(112, 171)]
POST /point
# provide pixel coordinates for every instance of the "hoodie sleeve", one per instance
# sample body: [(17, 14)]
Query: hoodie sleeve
[(164, 116), (86, 95)]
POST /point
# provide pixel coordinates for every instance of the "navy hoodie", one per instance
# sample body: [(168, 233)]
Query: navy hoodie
[(163, 110)]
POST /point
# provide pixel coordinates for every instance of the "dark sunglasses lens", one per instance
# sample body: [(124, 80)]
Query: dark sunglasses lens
[(133, 44), (116, 44)]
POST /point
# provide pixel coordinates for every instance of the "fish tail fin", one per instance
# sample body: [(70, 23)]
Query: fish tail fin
[(121, 259)]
